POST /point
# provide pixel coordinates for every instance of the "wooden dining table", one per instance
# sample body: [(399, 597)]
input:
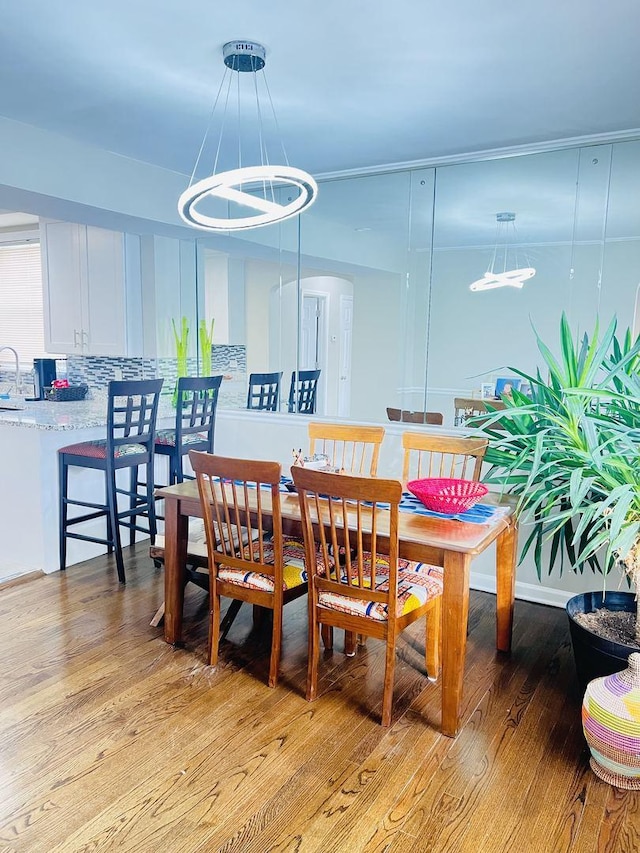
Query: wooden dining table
[(449, 543)]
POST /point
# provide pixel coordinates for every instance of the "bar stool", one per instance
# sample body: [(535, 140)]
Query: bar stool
[(196, 406), (264, 391), (131, 424), (303, 391)]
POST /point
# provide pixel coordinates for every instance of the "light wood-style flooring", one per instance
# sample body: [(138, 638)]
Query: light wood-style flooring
[(112, 740)]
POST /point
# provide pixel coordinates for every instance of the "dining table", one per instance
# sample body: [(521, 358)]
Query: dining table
[(451, 543)]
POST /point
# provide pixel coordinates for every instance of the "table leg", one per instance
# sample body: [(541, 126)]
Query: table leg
[(176, 531), (455, 615), (507, 547)]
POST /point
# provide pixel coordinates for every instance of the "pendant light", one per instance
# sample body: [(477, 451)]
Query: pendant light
[(506, 268), (255, 191)]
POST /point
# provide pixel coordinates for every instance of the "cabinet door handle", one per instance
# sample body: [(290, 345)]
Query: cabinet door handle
[(75, 338), (85, 338)]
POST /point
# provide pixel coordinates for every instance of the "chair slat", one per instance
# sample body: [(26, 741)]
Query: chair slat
[(430, 455)]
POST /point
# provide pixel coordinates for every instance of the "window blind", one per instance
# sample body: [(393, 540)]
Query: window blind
[(21, 304)]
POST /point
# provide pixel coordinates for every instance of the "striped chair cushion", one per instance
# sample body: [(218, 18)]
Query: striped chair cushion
[(168, 437), (294, 573), (98, 449), (418, 583)]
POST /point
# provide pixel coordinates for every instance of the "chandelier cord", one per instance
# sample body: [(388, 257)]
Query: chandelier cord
[(224, 120), (264, 154), (239, 119), (492, 264), (206, 133), (275, 118)]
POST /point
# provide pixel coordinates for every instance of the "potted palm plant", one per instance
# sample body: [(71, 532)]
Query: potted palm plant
[(570, 451)]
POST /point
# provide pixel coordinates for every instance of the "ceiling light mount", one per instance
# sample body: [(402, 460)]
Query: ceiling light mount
[(235, 196), (244, 55), (506, 254)]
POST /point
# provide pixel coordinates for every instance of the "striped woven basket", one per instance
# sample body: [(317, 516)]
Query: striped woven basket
[(611, 725)]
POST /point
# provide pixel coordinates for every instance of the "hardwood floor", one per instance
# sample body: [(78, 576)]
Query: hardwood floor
[(112, 740)]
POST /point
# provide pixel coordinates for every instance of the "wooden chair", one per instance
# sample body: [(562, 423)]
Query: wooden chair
[(356, 579), (132, 408), (264, 391), (468, 407), (196, 404), (428, 455), (352, 448), (431, 418), (303, 391), (270, 571)]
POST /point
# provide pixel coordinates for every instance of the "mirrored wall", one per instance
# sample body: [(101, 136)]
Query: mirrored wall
[(372, 284)]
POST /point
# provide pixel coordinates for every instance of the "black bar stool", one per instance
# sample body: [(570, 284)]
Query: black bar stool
[(131, 425), (196, 405), (264, 390), (303, 391)]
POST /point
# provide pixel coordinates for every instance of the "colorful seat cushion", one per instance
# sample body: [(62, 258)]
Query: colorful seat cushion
[(97, 449), (168, 437), (294, 573), (418, 583)]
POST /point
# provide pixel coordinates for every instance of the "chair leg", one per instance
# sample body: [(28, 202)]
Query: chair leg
[(389, 672), (433, 639), (313, 652), (214, 628), (276, 645), (349, 644), (151, 503), (178, 472), (173, 468), (133, 502), (159, 616), (112, 502), (109, 534), (63, 477), (327, 637)]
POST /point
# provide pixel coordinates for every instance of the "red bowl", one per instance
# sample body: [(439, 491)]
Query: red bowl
[(441, 494)]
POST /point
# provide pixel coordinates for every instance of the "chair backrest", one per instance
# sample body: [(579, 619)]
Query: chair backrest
[(232, 496), (196, 405), (467, 407), (441, 456), (432, 418), (342, 524), (132, 412), (354, 449), (303, 391), (264, 391)]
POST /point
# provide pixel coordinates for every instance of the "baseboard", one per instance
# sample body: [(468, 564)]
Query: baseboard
[(19, 579), (537, 593)]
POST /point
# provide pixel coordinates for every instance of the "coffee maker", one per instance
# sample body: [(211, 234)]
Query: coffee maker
[(44, 372)]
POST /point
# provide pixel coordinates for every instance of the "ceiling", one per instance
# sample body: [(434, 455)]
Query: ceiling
[(354, 84)]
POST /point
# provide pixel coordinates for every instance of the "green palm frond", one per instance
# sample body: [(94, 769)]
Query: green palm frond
[(570, 451)]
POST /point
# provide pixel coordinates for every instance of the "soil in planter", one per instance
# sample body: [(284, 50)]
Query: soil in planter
[(613, 625)]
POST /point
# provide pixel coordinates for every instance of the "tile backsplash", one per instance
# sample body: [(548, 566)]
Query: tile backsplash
[(98, 371)]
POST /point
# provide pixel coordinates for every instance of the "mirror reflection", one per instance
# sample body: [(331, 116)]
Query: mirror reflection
[(361, 305)]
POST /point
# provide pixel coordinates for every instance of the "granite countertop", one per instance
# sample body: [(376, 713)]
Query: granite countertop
[(81, 414)]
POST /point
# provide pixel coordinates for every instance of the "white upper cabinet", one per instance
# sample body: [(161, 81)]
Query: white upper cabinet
[(92, 290)]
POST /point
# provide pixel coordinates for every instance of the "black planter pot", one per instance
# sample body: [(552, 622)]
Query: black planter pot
[(594, 655)]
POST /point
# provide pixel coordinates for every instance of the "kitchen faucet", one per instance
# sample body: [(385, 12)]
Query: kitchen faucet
[(15, 355)]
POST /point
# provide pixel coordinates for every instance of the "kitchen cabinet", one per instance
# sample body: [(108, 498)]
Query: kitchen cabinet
[(92, 290)]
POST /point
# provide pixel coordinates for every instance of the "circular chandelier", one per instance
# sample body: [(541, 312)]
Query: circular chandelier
[(505, 255), (246, 196)]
